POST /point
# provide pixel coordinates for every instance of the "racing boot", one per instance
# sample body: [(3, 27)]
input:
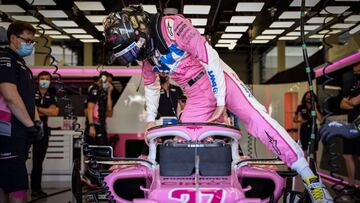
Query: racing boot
[(317, 190)]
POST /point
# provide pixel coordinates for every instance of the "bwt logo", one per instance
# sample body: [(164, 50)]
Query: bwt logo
[(213, 82), (192, 196)]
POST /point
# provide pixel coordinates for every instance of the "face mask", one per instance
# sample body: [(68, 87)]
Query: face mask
[(105, 85), (25, 49), (44, 84)]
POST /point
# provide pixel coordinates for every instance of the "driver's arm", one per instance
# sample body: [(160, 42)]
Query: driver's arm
[(190, 40), (152, 91)]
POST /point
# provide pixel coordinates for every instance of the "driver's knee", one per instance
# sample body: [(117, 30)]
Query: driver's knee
[(18, 197)]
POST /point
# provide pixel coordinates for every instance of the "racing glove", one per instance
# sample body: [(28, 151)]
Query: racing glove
[(36, 131), (336, 128)]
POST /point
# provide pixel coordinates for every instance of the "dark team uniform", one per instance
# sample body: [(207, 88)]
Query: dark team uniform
[(13, 174), (40, 147), (98, 96), (168, 101), (353, 146), (305, 128)]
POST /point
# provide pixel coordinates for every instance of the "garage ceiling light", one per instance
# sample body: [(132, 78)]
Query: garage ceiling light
[(46, 27), (222, 41), (96, 18), (282, 24), (342, 26), (249, 6), (242, 19), (335, 9), (222, 45), (236, 28), (100, 28), (295, 33), (255, 41), (52, 32), (74, 30), (65, 23), (273, 31), (201, 30), (89, 40), (355, 29), (11, 9), (309, 27), (353, 18), (31, 19), (53, 13), (331, 32), (59, 36), (42, 2), (196, 9), (288, 38), (83, 36), (231, 36), (150, 8), (90, 5), (317, 36), (266, 37), (199, 21), (308, 3), (290, 15), (5, 24), (319, 20), (232, 46)]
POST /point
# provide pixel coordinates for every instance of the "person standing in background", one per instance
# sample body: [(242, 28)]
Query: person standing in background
[(46, 104), (170, 103), (303, 117), (351, 147), (99, 106), (19, 121)]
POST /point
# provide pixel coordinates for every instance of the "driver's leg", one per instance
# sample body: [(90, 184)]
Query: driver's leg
[(241, 102)]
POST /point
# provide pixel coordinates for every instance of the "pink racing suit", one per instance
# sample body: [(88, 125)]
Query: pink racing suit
[(191, 58)]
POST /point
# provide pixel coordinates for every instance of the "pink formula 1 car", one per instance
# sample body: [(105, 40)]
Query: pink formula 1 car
[(188, 163)]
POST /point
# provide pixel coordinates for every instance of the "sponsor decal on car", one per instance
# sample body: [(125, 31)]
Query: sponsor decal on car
[(190, 195)]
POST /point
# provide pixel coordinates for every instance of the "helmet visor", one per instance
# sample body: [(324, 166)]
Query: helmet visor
[(128, 55)]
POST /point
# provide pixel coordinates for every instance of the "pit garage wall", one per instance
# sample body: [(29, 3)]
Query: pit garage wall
[(129, 111)]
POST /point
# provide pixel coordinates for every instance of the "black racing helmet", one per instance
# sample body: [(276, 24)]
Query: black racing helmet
[(127, 34)]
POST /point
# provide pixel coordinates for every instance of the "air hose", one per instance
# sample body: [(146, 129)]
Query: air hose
[(311, 147), (251, 141), (61, 93)]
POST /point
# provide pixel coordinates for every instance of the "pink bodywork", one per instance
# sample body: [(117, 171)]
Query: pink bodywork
[(209, 189)]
